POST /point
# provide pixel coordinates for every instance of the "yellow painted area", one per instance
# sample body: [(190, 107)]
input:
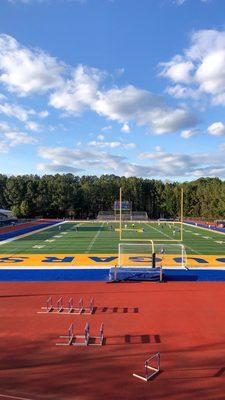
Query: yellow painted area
[(130, 230), (105, 260)]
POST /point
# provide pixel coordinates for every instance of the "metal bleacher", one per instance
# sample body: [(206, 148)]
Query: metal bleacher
[(134, 216)]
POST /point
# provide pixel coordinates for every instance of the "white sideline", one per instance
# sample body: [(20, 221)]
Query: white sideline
[(170, 238), (205, 229), (13, 397)]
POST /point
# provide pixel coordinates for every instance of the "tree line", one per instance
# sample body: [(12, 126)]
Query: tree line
[(62, 195)]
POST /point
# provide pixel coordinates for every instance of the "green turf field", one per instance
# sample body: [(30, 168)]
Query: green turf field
[(101, 238)]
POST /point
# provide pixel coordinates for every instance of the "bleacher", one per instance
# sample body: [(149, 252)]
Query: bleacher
[(139, 216), (105, 216), (133, 216), (6, 217)]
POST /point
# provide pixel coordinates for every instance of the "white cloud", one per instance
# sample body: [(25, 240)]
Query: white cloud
[(11, 137), (216, 129), (181, 2), (119, 104), (107, 128), (33, 126), (125, 128), (43, 114), (4, 127), (101, 137), (82, 160), (131, 103), (13, 110), (24, 70), (78, 93), (186, 134), (58, 168), (201, 68), (178, 70), (111, 145), (4, 148), (15, 138), (19, 112), (157, 163), (183, 92)]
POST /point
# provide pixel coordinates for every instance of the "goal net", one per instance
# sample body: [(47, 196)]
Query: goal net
[(170, 255), (135, 264), (135, 254)]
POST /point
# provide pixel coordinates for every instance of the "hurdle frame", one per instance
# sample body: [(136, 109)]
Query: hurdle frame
[(49, 308), (100, 338), (70, 309), (59, 305), (73, 337), (148, 366), (90, 309), (70, 337)]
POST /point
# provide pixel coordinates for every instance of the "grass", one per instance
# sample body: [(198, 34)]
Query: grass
[(94, 238)]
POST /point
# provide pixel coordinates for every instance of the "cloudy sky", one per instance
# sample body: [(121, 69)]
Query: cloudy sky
[(129, 87)]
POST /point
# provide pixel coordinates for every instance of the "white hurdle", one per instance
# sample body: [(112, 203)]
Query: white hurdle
[(69, 309), (90, 308), (84, 339), (154, 369), (98, 340), (59, 305), (74, 339), (48, 308)]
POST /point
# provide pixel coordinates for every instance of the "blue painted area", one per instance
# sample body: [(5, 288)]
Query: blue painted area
[(12, 234), (212, 228), (182, 275), (18, 275), (200, 275)]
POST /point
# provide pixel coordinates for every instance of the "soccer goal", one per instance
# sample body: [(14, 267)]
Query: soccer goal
[(170, 255), (135, 263), (135, 254)]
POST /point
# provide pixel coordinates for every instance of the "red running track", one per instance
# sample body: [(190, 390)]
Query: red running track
[(183, 321), (6, 229)]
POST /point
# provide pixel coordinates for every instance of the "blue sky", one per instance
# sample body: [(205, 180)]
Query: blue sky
[(134, 88)]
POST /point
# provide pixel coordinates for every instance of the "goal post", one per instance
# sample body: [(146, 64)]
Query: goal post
[(159, 230)]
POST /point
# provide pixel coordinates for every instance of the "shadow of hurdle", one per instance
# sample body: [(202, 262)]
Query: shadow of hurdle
[(115, 310), (132, 339)]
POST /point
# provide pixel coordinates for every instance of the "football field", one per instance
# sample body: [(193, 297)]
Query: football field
[(90, 240)]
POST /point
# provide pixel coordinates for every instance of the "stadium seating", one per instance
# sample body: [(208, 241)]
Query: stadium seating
[(134, 216)]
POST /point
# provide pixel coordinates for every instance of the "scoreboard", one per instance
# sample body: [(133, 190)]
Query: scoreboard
[(125, 205)]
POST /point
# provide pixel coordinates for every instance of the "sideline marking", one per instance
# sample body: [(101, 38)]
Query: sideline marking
[(14, 397), (171, 238), (205, 229)]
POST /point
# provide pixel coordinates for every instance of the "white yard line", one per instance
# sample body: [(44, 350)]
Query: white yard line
[(94, 239), (196, 252)]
